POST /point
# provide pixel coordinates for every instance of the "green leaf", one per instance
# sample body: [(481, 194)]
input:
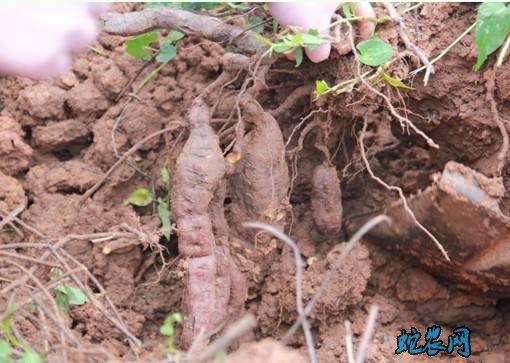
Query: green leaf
[(312, 39), (321, 87), (254, 20), (140, 197), (69, 295), (167, 51), (74, 295), (347, 11), (31, 357), (164, 216), (263, 39), (276, 25), (167, 328), (298, 54), (62, 301), (32, 306), (492, 28), (137, 47), (173, 36), (397, 83), (374, 52), (5, 349), (165, 176), (281, 48)]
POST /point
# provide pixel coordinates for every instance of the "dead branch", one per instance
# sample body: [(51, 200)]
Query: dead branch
[(402, 31), (366, 338), (134, 148), (349, 347), (399, 191), (299, 282), (503, 152), (60, 255), (11, 215), (29, 228), (333, 271), (199, 25)]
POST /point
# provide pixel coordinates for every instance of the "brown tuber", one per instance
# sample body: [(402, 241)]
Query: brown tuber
[(326, 200), (260, 182), (215, 288)]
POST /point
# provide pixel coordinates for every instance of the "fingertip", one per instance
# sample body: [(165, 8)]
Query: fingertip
[(319, 54), (290, 56), (366, 28)]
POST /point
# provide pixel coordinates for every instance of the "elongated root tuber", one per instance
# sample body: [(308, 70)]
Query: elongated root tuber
[(260, 182), (326, 200), (212, 277)]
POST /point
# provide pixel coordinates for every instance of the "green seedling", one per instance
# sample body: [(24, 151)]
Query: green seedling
[(139, 47), (163, 205), (140, 197), (7, 345), (67, 295), (168, 330)]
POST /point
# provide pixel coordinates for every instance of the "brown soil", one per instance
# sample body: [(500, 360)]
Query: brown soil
[(56, 143)]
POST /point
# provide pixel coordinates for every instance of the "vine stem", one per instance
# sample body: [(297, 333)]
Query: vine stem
[(502, 53), (446, 50)]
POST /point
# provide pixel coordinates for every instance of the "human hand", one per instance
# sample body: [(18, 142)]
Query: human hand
[(318, 16), (41, 38)]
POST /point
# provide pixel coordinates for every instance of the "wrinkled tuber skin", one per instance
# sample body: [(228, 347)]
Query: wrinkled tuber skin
[(260, 182), (215, 288), (199, 171), (326, 199)]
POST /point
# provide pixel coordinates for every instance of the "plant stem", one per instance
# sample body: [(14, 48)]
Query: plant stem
[(354, 18), (406, 10), (149, 77), (502, 53), (447, 49)]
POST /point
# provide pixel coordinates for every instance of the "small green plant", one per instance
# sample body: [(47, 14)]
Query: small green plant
[(168, 330), (67, 295), (139, 47), (292, 42), (492, 28), (140, 197), (163, 206), (7, 345)]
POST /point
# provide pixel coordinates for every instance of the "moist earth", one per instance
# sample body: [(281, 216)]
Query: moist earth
[(58, 138)]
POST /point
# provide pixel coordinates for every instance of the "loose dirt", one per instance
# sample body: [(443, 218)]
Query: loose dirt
[(58, 138)]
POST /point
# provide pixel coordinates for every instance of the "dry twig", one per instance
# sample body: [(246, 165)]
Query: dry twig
[(402, 31), (333, 271), (127, 154), (299, 281)]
